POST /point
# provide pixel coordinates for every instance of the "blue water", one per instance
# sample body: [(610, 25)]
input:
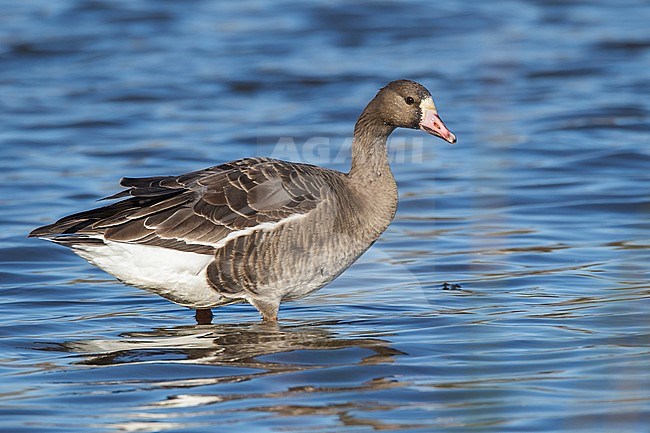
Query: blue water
[(540, 213)]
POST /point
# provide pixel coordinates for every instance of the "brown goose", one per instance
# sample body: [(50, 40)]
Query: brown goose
[(258, 230)]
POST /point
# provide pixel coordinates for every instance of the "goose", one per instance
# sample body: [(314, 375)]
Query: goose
[(256, 230)]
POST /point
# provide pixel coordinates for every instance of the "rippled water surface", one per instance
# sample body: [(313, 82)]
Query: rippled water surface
[(538, 218)]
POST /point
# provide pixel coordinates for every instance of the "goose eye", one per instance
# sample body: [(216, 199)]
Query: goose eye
[(409, 100)]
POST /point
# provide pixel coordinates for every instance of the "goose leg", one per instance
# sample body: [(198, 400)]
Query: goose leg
[(268, 309), (203, 316)]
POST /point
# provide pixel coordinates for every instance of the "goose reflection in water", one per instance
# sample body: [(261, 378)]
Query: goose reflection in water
[(282, 365), (240, 345)]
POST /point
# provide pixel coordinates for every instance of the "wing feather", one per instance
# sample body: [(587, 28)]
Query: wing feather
[(196, 210)]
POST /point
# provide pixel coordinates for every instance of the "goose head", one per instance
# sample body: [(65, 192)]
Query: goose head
[(407, 104)]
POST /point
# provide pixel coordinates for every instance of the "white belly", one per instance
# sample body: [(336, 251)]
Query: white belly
[(176, 275)]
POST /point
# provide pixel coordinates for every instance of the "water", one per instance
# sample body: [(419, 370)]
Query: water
[(541, 213)]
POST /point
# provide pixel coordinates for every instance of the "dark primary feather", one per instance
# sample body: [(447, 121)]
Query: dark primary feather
[(194, 211)]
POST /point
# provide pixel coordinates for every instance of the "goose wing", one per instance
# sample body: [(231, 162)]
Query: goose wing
[(198, 210)]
